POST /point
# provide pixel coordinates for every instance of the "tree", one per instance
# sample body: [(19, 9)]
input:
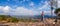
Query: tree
[(2, 17), (57, 12), (13, 19)]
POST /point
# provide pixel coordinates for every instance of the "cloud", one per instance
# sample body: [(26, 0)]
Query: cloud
[(58, 4), (1, 7), (45, 6), (25, 11), (18, 11), (31, 4), (6, 9)]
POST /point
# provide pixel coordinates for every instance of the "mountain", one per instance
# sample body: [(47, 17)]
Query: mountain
[(34, 17)]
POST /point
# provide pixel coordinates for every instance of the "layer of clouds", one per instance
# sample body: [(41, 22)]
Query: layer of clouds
[(58, 4), (24, 11), (18, 11), (5, 9)]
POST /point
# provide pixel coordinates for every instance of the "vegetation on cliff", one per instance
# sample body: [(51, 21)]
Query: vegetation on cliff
[(7, 18)]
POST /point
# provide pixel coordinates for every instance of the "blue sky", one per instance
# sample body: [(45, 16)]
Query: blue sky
[(24, 7)]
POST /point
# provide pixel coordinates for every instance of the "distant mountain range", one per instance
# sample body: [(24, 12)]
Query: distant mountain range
[(35, 16)]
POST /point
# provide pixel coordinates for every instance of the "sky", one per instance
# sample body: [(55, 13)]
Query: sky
[(25, 7)]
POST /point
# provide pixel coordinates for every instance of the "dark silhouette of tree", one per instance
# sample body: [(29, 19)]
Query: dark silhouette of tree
[(57, 12)]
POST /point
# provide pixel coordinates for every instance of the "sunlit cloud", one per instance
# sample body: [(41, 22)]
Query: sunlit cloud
[(25, 11), (31, 4), (19, 11)]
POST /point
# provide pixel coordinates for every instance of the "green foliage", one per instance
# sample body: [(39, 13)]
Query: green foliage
[(27, 20), (57, 10), (33, 20), (8, 18), (14, 19), (1, 18), (22, 20)]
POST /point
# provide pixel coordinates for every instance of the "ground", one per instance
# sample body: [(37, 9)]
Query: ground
[(47, 22)]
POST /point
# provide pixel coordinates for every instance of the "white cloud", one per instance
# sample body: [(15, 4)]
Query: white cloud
[(1, 7), (25, 11), (45, 6), (47, 12), (6, 9), (18, 11), (58, 4), (31, 4)]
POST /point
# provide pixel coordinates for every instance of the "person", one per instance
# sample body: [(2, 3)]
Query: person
[(42, 16)]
